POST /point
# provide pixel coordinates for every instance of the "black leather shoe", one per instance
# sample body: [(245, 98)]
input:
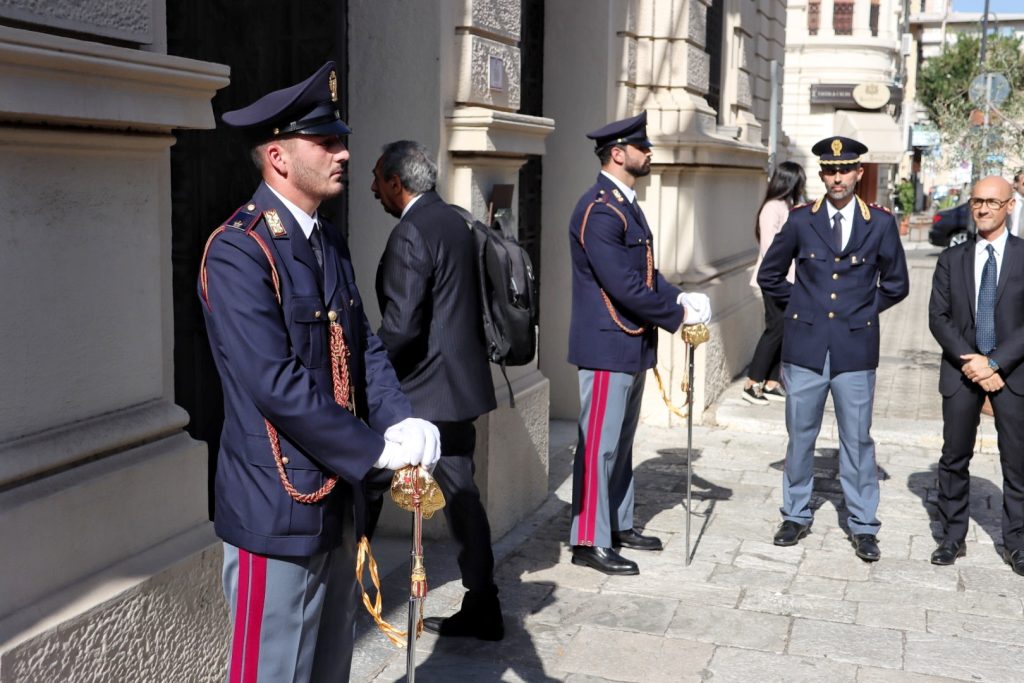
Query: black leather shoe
[(480, 618), (603, 560), (948, 551), (633, 539), (867, 547), (1015, 559), (790, 532)]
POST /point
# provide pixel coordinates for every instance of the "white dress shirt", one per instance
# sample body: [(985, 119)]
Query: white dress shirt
[(1017, 215), (847, 213), (305, 221)]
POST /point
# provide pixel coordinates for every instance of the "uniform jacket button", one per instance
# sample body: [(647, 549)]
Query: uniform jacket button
[(284, 460), (332, 316), (831, 314), (835, 276)]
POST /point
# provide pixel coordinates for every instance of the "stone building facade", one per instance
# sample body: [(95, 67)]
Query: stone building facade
[(110, 568)]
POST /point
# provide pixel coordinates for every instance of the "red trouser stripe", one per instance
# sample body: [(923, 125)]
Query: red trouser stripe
[(592, 458), (241, 609), (257, 596), (245, 641)]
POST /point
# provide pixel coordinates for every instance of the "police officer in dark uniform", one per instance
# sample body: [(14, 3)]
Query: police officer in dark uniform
[(850, 267), (618, 301), (311, 402)]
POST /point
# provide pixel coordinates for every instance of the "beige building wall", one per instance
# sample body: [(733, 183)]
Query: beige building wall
[(102, 495), (423, 71), (709, 167)]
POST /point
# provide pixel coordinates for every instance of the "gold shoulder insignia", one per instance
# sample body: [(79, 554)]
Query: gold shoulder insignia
[(799, 206), (817, 204), (618, 195), (865, 212), (274, 223), (880, 207)]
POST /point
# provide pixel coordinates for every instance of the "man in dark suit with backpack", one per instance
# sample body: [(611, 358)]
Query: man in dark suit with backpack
[(429, 298)]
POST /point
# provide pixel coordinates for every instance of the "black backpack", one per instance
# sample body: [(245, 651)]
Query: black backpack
[(508, 295)]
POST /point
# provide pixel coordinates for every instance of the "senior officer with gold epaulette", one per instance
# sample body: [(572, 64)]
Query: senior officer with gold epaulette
[(618, 302), (850, 267), (311, 402)]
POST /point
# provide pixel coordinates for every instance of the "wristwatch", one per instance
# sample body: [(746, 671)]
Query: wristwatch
[(993, 364)]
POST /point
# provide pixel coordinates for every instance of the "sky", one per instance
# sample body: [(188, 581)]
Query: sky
[(997, 6)]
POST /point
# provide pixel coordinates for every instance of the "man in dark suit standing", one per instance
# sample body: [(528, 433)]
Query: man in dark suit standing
[(311, 403), (850, 267), (976, 313), (433, 331), (619, 301)]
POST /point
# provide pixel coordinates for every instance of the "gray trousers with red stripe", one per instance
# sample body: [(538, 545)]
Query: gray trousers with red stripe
[(602, 491), (293, 617)]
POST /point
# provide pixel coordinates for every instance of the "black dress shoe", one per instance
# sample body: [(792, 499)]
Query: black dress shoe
[(948, 551), (790, 532), (1015, 559), (480, 618), (633, 539), (867, 547), (603, 560)]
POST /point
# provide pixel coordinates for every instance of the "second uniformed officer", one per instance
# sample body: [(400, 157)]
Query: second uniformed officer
[(850, 267), (618, 302)]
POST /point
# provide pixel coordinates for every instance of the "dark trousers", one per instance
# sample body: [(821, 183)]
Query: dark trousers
[(960, 415), (765, 363), (463, 510), (466, 516)]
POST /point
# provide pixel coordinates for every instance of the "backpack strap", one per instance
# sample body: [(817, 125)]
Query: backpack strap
[(649, 280)]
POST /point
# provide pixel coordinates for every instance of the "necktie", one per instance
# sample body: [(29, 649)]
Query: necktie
[(837, 231), (985, 327), (316, 242)]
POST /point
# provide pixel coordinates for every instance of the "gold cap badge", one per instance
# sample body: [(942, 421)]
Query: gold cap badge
[(837, 147), (332, 84)]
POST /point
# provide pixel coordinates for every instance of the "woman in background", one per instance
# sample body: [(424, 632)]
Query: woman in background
[(785, 189)]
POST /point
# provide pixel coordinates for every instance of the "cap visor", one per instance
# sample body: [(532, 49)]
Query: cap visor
[(334, 127)]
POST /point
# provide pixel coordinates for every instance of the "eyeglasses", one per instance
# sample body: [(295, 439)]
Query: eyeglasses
[(991, 203)]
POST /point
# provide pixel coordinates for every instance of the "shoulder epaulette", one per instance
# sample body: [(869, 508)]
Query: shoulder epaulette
[(879, 207), (243, 218), (799, 206), (817, 204), (865, 212)]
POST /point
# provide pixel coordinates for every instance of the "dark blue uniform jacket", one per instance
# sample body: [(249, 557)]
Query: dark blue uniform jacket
[(613, 256), (273, 360), (834, 304)]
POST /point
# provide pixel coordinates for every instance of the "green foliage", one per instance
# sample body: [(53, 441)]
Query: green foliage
[(905, 196), (943, 92)]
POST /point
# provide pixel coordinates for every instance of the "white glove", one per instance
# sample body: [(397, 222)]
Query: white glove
[(696, 306), (420, 437), (395, 456)]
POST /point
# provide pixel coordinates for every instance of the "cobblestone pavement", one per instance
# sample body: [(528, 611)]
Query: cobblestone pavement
[(745, 610)]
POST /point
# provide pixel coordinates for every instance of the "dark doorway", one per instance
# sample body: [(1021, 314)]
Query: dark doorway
[(532, 103), (268, 44)]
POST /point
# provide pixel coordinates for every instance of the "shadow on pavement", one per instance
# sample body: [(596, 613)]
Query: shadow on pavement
[(985, 504)]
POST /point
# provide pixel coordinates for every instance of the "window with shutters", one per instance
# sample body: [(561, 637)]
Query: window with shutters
[(813, 17), (842, 18)]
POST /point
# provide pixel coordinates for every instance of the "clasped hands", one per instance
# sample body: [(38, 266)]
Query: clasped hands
[(696, 307), (976, 369), (410, 442)]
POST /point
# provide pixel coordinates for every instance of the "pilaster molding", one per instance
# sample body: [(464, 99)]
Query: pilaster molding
[(480, 130), (57, 80)]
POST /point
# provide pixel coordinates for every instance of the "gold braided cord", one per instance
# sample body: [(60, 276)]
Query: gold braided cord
[(649, 280), (364, 558), (678, 412)]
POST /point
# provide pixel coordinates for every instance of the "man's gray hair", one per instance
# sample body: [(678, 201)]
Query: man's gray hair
[(412, 163)]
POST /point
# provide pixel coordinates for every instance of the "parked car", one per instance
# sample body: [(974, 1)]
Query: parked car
[(951, 226)]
